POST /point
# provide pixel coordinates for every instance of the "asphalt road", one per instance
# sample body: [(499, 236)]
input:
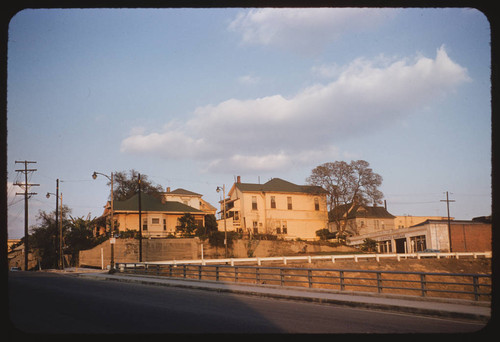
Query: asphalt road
[(52, 303)]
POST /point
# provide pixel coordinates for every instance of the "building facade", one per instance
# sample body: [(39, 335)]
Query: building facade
[(463, 236), (277, 207), (159, 218), (356, 219)]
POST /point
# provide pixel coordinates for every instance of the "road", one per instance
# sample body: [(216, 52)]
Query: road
[(53, 303)]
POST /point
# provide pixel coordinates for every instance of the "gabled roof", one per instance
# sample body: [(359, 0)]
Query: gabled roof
[(279, 185), (363, 211), (151, 203), (184, 192)]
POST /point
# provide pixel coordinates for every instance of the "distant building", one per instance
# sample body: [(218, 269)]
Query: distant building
[(409, 220), (356, 219), (464, 236), (277, 207)]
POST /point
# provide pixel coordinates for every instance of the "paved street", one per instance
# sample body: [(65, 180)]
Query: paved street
[(54, 303)]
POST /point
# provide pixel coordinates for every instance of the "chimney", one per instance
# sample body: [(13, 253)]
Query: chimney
[(168, 189), (238, 179), (385, 204)]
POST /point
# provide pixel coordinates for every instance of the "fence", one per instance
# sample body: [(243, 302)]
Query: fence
[(456, 285), (332, 258)]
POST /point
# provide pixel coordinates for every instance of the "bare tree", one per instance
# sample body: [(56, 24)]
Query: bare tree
[(347, 184)]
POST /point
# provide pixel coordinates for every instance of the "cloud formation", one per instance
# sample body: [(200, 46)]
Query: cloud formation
[(275, 132), (305, 30)]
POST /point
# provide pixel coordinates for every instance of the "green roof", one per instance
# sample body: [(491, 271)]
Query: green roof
[(151, 203), (280, 185)]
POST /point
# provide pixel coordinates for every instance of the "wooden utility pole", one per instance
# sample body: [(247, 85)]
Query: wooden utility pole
[(140, 221), (447, 200), (26, 194)]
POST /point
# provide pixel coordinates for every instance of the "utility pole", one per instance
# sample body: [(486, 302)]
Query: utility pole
[(447, 200), (140, 221), (26, 196)]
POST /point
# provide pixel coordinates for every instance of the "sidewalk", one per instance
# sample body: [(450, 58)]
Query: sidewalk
[(445, 308)]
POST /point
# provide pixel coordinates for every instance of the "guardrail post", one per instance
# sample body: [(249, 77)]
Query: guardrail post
[(236, 274), (257, 275), (158, 269), (170, 270), (423, 285), (217, 273), (341, 279), (282, 278), (199, 272), (309, 277), (475, 284), (379, 282)]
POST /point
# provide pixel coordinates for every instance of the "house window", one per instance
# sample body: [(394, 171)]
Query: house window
[(273, 202), (255, 227), (155, 220), (285, 230), (289, 202), (316, 203), (254, 202), (144, 224), (164, 224), (236, 215), (376, 224)]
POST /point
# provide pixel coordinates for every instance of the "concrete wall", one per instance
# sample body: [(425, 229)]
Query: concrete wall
[(127, 250)]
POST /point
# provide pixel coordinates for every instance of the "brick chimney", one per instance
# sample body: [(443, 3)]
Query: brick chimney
[(238, 179)]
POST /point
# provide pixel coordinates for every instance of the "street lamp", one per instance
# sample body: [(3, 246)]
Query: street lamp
[(112, 230), (224, 213), (58, 224)]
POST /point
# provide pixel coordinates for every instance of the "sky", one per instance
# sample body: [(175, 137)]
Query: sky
[(193, 98)]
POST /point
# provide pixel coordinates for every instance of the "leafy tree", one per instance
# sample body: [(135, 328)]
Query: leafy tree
[(44, 237), (187, 224), (209, 228), (127, 184), (80, 236), (325, 234), (369, 245), (347, 184)]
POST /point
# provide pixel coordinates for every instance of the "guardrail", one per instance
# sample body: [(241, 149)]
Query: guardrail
[(332, 258), (425, 284)]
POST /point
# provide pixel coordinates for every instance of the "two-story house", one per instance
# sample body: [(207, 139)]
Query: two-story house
[(189, 198), (356, 219), (277, 207)]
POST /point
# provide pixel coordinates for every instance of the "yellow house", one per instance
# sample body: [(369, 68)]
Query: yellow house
[(277, 207), (189, 198), (159, 218)]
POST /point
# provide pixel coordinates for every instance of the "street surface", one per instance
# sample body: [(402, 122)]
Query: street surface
[(53, 303)]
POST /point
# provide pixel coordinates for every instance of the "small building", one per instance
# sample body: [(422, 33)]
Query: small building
[(464, 236), (278, 207), (159, 218)]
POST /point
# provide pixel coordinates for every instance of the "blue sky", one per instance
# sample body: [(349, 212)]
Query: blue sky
[(195, 97)]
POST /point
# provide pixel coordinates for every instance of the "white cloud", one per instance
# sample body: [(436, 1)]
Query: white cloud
[(304, 29), (276, 132), (248, 80)]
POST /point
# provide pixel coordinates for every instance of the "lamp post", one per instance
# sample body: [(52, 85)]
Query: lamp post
[(224, 213), (112, 230), (58, 224)]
